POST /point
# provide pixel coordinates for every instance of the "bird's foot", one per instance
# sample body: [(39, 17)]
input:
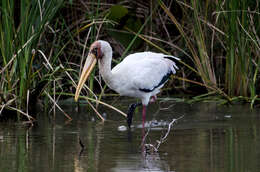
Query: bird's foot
[(130, 113)]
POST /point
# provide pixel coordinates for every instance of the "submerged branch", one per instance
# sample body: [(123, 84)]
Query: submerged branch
[(57, 106), (95, 100), (155, 148), (163, 139)]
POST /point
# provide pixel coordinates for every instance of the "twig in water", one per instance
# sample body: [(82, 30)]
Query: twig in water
[(27, 108), (69, 118), (99, 115), (82, 147), (154, 148), (167, 133), (81, 144)]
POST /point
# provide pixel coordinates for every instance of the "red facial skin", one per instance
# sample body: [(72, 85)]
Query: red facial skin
[(95, 48)]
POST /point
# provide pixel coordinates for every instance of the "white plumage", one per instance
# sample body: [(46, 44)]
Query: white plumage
[(139, 75), (142, 71)]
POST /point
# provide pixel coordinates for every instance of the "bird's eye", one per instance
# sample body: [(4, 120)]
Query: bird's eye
[(95, 51)]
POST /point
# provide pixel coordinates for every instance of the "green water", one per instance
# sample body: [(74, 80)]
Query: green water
[(208, 138)]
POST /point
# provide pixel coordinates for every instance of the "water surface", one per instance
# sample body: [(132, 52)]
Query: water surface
[(208, 138)]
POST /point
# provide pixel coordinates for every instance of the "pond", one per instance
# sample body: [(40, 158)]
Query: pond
[(208, 137)]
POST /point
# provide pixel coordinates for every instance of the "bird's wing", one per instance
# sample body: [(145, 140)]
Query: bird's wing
[(145, 71), (150, 74)]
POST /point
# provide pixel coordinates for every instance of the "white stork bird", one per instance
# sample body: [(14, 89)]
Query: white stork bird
[(139, 75)]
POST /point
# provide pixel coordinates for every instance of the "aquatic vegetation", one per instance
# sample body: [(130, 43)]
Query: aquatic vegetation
[(25, 68), (223, 46)]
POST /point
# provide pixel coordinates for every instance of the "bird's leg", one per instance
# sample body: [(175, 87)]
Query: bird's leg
[(143, 129), (130, 113), (144, 113)]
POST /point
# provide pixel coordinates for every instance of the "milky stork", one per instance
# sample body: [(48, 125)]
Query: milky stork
[(139, 75)]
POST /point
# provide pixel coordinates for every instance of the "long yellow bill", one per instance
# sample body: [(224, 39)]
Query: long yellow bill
[(88, 67)]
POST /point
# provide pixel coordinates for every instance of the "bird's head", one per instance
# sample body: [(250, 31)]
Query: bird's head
[(96, 52), (99, 48)]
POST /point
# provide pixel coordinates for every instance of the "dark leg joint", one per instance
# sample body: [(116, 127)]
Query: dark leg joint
[(130, 113)]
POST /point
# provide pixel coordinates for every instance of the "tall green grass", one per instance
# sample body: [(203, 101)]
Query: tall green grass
[(242, 58), (22, 27), (227, 29)]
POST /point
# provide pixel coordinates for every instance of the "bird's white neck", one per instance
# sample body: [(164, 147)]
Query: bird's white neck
[(105, 70)]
